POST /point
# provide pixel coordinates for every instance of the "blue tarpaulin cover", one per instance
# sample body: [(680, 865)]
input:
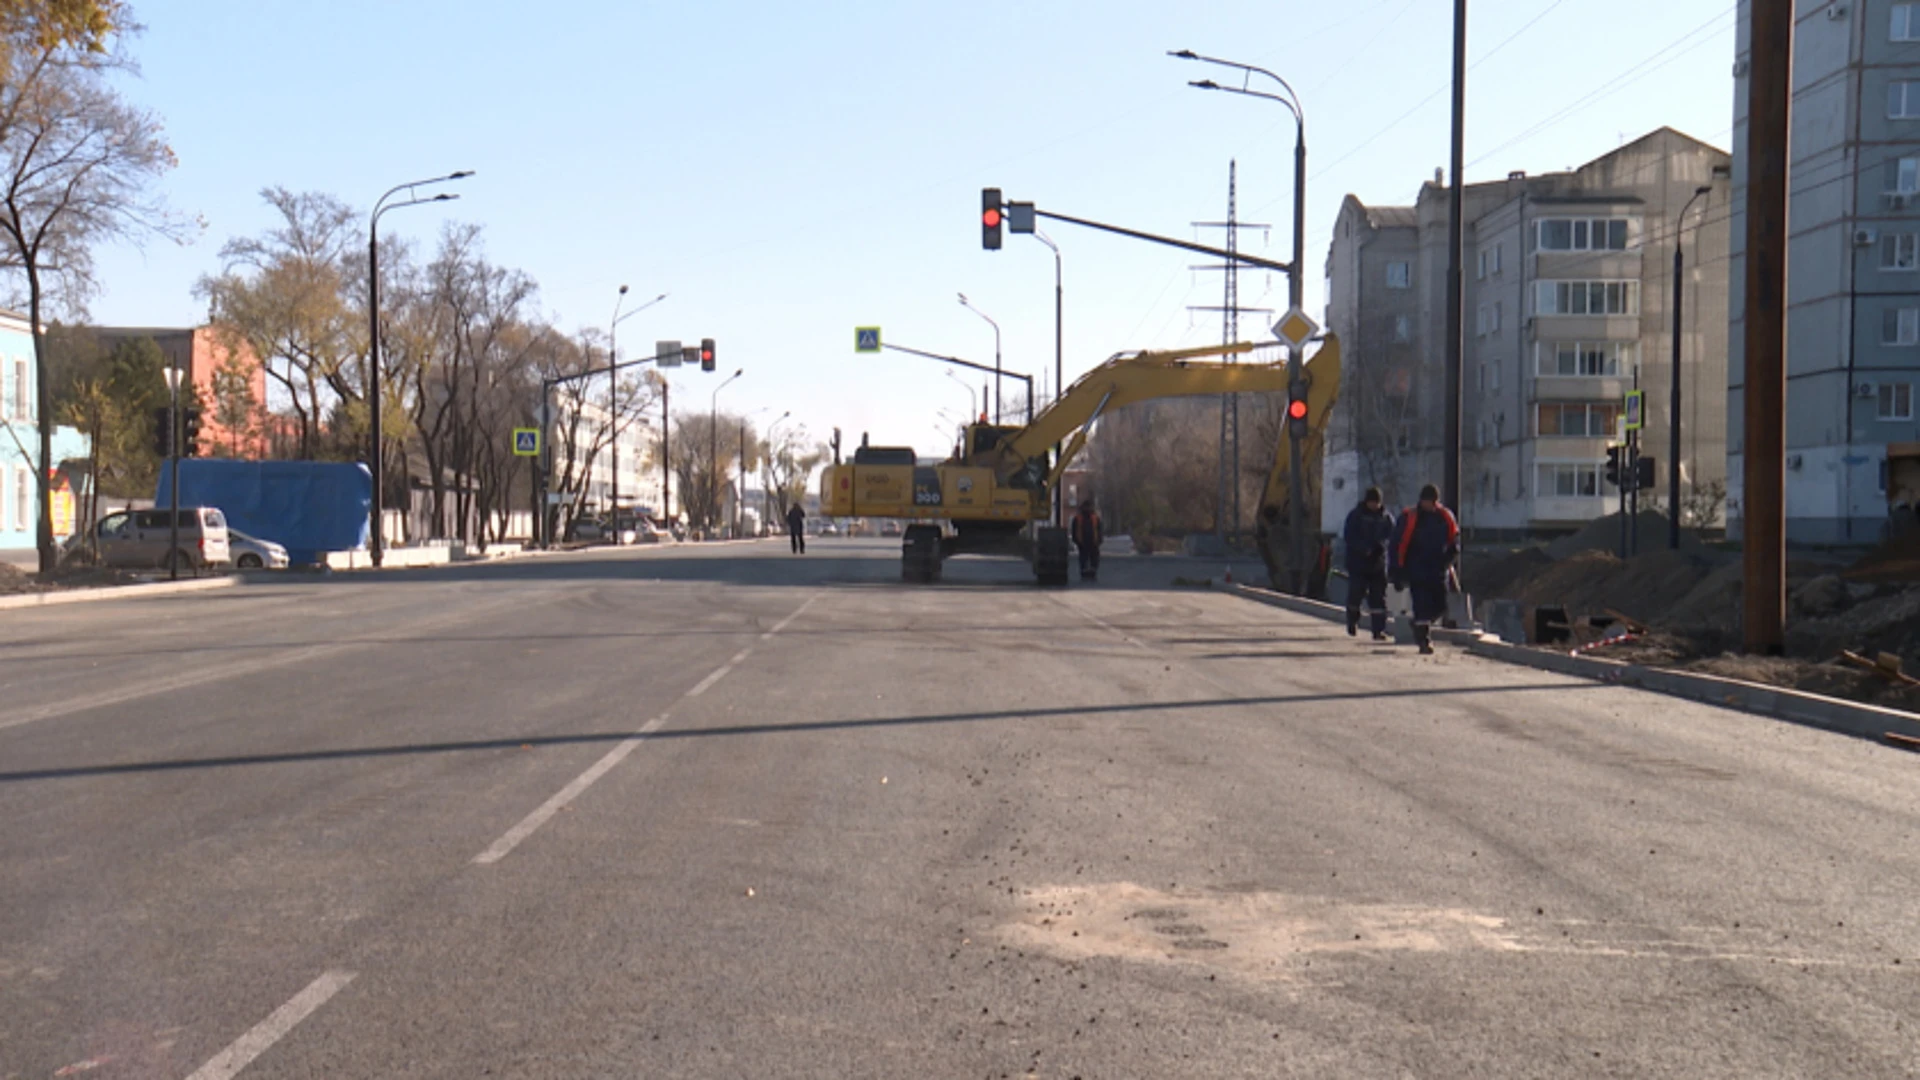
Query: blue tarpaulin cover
[(308, 507)]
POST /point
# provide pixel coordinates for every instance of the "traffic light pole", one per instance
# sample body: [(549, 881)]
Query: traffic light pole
[(173, 480)]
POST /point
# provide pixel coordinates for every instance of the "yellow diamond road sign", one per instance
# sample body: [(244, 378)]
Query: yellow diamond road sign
[(1295, 328)]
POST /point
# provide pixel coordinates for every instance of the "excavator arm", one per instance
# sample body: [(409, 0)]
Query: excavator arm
[(1322, 374)]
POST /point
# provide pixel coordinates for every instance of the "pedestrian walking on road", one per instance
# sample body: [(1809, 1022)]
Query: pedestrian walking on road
[(1087, 535), (797, 528), (1369, 533), (1423, 554)]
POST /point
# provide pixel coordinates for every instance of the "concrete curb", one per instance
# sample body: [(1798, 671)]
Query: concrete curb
[(1775, 702), (116, 592)]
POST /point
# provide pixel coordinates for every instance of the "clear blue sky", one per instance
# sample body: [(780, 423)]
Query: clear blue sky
[(787, 171)]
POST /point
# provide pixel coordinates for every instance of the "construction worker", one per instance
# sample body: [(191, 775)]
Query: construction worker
[(797, 528), (1368, 534), (1423, 552), (1087, 535)]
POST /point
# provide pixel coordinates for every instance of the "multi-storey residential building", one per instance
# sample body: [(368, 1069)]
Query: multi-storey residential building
[(1853, 263), (1567, 295), (20, 449), (231, 381)]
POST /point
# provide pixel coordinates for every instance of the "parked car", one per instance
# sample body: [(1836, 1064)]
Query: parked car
[(890, 528), (587, 529), (253, 553), (140, 538)]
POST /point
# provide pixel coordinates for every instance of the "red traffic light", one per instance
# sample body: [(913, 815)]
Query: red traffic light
[(1296, 409), (990, 219)]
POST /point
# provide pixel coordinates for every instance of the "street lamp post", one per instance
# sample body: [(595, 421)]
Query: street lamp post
[(174, 375), (713, 447), (376, 541), (1296, 280), (973, 399), (965, 303), (1673, 388), (613, 401), (1059, 368), (767, 499)]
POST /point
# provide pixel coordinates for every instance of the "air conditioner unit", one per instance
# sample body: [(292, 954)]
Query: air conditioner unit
[(1897, 200), (1865, 389), (1864, 237)]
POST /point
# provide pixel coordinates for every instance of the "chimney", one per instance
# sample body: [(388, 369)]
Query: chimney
[(1517, 174), (1439, 177)]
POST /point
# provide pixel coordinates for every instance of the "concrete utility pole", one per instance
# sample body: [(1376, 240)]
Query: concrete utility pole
[(1763, 501), (1456, 316)]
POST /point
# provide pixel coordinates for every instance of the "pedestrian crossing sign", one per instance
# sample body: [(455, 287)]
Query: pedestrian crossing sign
[(1636, 409), (866, 339), (526, 442)]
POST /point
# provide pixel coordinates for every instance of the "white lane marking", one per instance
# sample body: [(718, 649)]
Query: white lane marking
[(228, 1063), (511, 838)]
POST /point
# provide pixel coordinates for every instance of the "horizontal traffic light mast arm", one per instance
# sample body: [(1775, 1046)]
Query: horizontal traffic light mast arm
[(963, 363), (1236, 256), (596, 373)]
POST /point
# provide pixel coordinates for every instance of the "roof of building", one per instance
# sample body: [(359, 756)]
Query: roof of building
[(1392, 217)]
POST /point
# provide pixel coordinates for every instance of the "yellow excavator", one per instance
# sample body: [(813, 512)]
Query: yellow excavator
[(994, 494)]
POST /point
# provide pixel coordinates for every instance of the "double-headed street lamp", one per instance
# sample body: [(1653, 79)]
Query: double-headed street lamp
[(968, 304), (1059, 369), (613, 401), (973, 399), (1296, 280), (713, 447), (373, 332)]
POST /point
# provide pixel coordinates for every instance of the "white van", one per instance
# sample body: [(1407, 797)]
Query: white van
[(141, 538)]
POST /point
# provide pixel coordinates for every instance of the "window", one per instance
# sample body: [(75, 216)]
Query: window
[(1903, 99), (1906, 23), (1581, 420), (1570, 481), (1496, 269), (1900, 251), (1896, 401), (1496, 488), (1480, 378), (1481, 320), (1580, 234), (1900, 326), (1903, 176), (23, 500), (22, 393), (1402, 328), (1587, 298), (1496, 377), (1585, 358), (1494, 326), (1399, 275), (1481, 274)]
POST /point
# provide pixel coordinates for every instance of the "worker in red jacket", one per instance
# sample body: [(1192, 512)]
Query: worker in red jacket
[(1427, 541)]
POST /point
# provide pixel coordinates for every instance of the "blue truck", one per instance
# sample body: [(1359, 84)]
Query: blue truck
[(308, 507)]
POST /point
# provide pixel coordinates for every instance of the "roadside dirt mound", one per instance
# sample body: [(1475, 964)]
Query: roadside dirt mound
[(15, 580), (1896, 560), (1500, 576), (1646, 587), (1603, 534)]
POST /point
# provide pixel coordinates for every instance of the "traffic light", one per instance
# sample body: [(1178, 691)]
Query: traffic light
[(706, 354), (1616, 473), (991, 218), (190, 433), (163, 431), (1297, 425), (1643, 473)]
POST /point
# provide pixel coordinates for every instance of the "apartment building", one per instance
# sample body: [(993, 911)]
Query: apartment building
[(1568, 306), (1853, 264)]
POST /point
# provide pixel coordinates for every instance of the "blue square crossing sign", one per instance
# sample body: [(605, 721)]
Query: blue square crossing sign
[(866, 339), (526, 442)]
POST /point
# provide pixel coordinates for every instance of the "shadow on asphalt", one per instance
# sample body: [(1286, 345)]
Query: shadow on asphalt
[(801, 728)]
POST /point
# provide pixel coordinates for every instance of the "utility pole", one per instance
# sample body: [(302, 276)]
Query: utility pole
[(1456, 320), (1673, 389), (1230, 312), (666, 457), (1763, 502)]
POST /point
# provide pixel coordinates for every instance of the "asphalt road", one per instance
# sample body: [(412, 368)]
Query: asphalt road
[(724, 812)]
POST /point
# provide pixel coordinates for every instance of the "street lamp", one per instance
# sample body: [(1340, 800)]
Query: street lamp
[(713, 446), (1673, 389), (1059, 370), (973, 399), (376, 542), (740, 503), (965, 303), (174, 375), (613, 400), (767, 496), (1296, 281)]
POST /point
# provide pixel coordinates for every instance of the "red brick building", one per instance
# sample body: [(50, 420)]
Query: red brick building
[(235, 427)]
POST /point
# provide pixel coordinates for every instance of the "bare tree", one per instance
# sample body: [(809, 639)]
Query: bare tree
[(82, 166)]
